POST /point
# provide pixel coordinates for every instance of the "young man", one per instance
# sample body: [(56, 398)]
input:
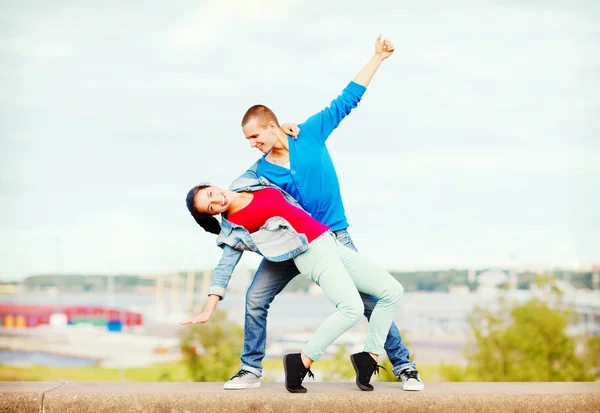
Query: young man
[(303, 168)]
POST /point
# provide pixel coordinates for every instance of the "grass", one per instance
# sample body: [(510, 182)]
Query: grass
[(170, 371), (174, 371)]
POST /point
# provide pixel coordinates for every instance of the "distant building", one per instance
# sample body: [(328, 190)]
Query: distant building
[(490, 280), (8, 288)]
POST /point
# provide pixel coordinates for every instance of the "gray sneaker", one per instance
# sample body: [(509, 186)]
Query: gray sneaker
[(411, 380), (242, 380)]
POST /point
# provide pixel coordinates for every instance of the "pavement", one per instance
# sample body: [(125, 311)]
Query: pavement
[(80, 397)]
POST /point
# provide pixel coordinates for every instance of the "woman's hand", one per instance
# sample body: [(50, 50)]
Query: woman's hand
[(197, 319), (290, 129)]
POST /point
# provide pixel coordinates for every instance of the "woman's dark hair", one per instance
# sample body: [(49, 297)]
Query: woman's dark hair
[(208, 222)]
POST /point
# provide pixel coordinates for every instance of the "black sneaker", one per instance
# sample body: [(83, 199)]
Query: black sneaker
[(295, 373), (364, 366)]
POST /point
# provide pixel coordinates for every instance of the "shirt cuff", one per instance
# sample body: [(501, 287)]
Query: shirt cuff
[(356, 88), (220, 291)]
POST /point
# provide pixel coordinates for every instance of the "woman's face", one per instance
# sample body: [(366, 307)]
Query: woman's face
[(213, 200)]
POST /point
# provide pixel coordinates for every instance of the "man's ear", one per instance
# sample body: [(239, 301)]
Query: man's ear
[(272, 126)]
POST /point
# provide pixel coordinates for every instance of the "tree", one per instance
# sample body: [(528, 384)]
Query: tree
[(211, 351), (523, 342), (592, 355), (340, 368)]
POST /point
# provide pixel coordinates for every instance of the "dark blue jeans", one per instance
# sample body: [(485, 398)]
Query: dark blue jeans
[(269, 280)]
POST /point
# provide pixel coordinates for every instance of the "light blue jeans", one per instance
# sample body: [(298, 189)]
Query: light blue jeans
[(342, 273), (270, 279)]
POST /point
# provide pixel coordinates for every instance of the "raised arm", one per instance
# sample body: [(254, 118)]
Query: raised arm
[(320, 125), (383, 49)]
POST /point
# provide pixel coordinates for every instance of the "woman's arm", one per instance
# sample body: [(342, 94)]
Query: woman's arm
[(209, 309), (218, 285)]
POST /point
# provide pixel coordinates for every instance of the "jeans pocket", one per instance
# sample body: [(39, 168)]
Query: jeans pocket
[(343, 237)]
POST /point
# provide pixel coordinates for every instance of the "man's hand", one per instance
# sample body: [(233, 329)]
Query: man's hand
[(383, 48), (290, 129), (198, 319)]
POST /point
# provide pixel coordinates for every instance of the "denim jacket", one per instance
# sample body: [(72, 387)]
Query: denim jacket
[(276, 240)]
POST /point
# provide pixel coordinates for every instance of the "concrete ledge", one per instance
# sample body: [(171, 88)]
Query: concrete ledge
[(24, 396), (86, 397)]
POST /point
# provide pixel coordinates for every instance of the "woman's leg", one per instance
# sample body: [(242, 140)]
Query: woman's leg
[(369, 278), (397, 352), (321, 263)]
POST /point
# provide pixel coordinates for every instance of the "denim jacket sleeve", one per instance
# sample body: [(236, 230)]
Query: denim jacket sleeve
[(246, 178), (223, 271)]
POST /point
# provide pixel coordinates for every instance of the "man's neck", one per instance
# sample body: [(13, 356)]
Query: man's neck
[(279, 157), (280, 153), (282, 143)]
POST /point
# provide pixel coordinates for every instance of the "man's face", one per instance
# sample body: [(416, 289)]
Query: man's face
[(260, 136)]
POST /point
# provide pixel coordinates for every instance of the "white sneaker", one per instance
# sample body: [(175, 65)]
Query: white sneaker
[(242, 380), (411, 380)]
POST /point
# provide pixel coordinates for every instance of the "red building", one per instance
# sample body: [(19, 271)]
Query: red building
[(28, 315)]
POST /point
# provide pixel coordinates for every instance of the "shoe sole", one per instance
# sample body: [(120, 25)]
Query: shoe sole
[(241, 386), (301, 390), (413, 388), (360, 386)]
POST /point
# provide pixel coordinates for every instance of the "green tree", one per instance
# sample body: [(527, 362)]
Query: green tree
[(340, 368), (211, 351), (592, 355), (523, 342)]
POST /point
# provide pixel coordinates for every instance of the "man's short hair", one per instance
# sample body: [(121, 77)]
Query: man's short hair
[(262, 113)]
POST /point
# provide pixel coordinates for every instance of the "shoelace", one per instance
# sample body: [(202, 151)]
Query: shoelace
[(375, 371), (309, 373), (411, 374), (240, 374)]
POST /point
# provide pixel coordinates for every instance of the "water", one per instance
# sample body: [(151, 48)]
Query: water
[(15, 357), (428, 312), (426, 317)]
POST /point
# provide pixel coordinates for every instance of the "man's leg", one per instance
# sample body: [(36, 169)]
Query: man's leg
[(396, 350), (269, 280)]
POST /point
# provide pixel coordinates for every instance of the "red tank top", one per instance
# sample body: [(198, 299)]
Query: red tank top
[(270, 202)]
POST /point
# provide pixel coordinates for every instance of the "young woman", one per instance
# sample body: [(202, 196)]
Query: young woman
[(260, 217)]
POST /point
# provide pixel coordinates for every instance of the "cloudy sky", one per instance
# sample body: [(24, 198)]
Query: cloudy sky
[(477, 143)]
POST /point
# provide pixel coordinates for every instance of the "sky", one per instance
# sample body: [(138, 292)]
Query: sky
[(477, 143)]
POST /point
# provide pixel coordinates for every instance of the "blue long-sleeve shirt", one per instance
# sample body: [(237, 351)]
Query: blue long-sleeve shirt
[(312, 179)]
